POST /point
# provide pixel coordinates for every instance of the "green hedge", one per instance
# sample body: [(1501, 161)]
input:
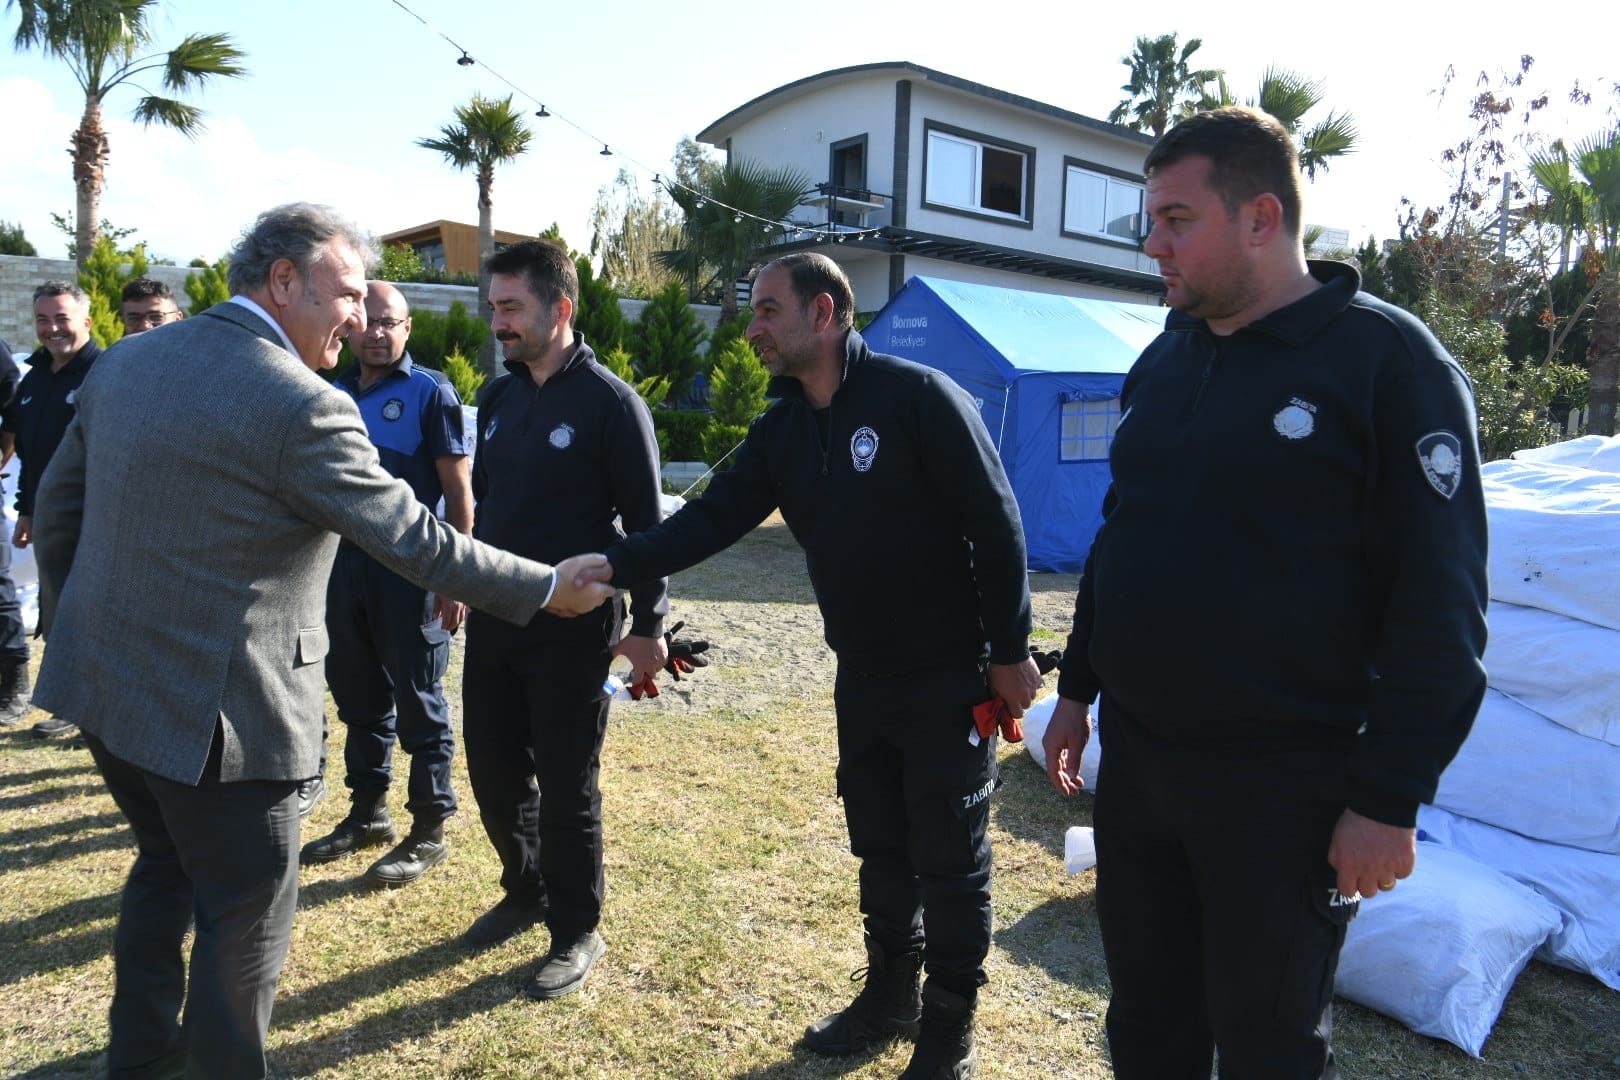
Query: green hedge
[(681, 433)]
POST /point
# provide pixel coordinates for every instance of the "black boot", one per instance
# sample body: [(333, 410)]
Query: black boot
[(14, 686), (423, 848), (887, 1006), (367, 825), (945, 1049)]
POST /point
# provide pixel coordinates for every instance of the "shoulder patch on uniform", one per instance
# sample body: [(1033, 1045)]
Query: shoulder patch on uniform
[(863, 448), (489, 428), (1440, 455), (562, 436), (394, 409), (72, 395)]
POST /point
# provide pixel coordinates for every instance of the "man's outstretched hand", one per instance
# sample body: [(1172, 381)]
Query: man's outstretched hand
[(582, 585)]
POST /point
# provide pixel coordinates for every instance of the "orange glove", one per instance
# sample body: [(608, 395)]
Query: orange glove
[(645, 688), (991, 716)]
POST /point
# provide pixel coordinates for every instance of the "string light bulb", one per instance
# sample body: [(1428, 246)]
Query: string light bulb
[(464, 60), (605, 151), (542, 112), (737, 218)]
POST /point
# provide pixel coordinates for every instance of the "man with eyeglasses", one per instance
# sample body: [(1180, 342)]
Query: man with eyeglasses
[(390, 640), (32, 425), (146, 305)]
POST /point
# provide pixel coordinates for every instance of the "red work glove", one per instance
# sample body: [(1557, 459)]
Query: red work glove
[(991, 716), (685, 656), (645, 688)]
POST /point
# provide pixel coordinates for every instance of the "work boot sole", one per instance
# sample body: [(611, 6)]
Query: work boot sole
[(378, 873), (308, 855)]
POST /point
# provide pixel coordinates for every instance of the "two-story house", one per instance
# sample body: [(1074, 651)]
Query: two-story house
[(920, 172)]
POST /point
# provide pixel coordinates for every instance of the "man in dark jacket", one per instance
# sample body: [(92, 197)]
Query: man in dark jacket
[(35, 419), (889, 481), (1284, 611)]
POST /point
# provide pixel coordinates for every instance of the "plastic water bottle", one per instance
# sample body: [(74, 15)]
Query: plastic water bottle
[(1079, 849), (617, 682)]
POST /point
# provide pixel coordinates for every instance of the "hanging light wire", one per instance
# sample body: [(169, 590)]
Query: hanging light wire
[(467, 59)]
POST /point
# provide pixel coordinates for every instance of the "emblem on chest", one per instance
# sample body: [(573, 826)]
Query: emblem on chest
[(863, 448)]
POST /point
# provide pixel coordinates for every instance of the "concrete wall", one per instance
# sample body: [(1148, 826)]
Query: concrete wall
[(19, 274)]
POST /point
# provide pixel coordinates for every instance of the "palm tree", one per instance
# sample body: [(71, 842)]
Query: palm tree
[(486, 133), (1288, 96), (106, 43), (1583, 203), (727, 224), (1162, 88)]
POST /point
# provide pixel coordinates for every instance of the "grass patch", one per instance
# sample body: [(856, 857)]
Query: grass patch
[(731, 917)]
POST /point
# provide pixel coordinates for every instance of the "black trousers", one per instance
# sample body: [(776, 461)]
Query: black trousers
[(1220, 921), (533, 723), (917, 802), (226, 855), (13, 638), (387, 659)]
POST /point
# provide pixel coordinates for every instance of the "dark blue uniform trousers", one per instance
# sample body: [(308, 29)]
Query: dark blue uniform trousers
[(226, 855), (13, 638), (1220, 921), (916, 799), (385, 670), (534, 721)]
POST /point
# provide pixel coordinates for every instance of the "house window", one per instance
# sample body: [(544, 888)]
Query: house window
[(431, 252), (1098, 203), (971, 173), (1087, 429)]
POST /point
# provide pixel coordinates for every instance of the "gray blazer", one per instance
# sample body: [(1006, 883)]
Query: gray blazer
[(197, 499)]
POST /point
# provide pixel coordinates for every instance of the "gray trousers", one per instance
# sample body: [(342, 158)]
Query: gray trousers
[(226, 856)]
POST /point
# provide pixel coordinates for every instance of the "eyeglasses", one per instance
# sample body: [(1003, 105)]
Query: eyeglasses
[(149, 318), (388, 326)]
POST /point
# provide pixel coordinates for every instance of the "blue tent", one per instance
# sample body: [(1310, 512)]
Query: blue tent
[(1046, 373)]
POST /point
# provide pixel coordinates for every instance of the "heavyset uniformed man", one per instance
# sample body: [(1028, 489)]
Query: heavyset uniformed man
[(886, 476), (390, 638), (1284, 610)]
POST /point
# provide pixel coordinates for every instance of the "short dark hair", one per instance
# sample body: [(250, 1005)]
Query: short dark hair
[(298, 232), (811, 273), (145, 288), (1250, 154), (61, 288), (545, 267)]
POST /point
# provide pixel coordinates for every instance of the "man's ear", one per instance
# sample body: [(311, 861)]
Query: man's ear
[(565, 310), (1265, 219), (824, 308), (282, 276)]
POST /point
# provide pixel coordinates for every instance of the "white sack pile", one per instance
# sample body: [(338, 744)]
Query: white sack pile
[(1526, 821)]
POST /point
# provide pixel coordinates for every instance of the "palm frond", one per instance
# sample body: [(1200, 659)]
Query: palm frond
[(200, 57), (184, 118)]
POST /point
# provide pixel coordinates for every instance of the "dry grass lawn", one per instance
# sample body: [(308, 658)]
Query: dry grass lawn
[(731, 917)]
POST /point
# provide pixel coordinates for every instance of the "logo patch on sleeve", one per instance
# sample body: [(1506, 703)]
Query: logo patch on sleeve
[(863, 448), (1440, 455)]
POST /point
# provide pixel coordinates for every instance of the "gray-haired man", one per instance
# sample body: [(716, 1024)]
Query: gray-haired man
[(200, 688)]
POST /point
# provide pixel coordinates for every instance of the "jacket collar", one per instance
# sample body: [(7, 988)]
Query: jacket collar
[(1298, 322), (351, 377), (856, 352), (41, 358), (580, 355)]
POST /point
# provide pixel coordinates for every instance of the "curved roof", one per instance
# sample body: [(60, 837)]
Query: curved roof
[(716, 132)]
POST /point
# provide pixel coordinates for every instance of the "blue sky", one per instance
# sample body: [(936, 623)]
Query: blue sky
[(339, 91)]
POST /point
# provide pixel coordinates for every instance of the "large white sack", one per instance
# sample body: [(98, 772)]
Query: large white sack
[(1587, 452), (1583, 885), (23, 571), (1565, 669), (1520, 771), (1038, 715), (1440, 952), (1555, 539)]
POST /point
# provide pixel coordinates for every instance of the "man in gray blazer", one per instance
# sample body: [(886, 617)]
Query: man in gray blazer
[(185, 532)]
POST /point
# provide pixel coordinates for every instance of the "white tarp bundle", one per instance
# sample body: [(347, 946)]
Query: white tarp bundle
[(1544, 661), (1583, 885), (1555, 539), (1520, 771), (1440, 953)]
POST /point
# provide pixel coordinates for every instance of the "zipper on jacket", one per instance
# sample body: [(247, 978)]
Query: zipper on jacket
[(1203, 382)]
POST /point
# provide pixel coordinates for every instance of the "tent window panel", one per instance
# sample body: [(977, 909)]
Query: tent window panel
[(1086, 432)]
